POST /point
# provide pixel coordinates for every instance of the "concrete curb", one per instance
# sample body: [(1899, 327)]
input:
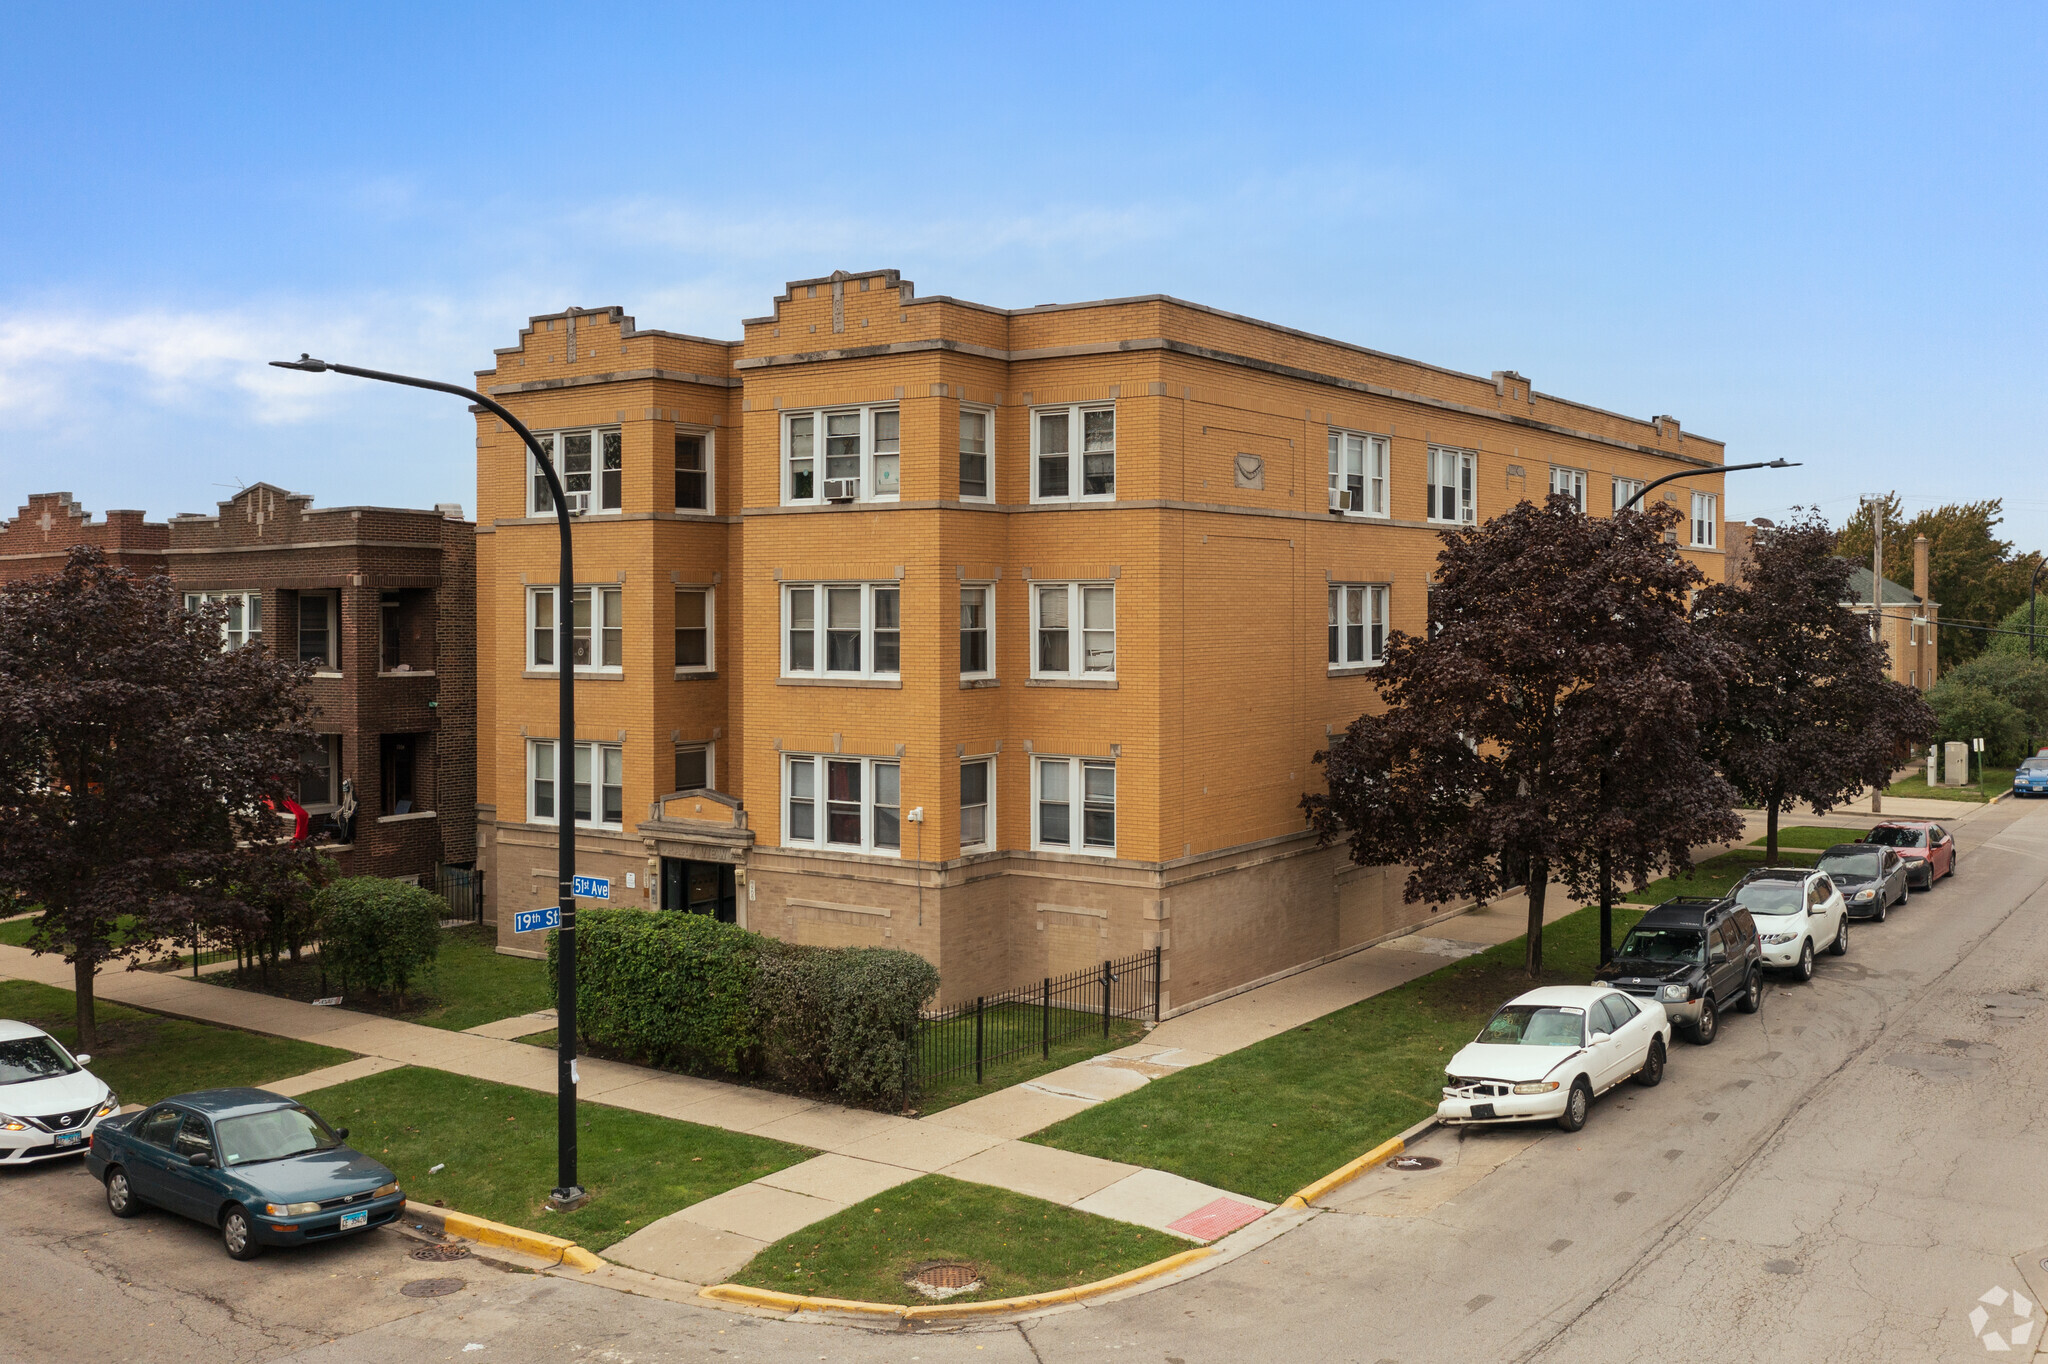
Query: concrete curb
[(1030, 1302), (1351, 1170), (554, 1249)]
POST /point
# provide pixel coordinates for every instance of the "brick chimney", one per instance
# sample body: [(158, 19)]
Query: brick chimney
[(1920, 567)]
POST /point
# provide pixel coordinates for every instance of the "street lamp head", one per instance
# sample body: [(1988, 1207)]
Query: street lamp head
[(304, 362)]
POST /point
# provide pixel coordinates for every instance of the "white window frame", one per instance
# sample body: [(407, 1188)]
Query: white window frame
[(331, 743), (1077, 648), (1570, 482), (988, 628), (1374, 484), (599, 595), (1075, 454), (710, 663), (539, 502), (1626, 488), (1706, 514), (820, 654), (332, 598), (1371, 641), (820, 769), (539, 768), (709, 439), (1463, 467), (987, 456), (1078, 804), (709, 748), (231, 638), (987, 841), (867, 454)]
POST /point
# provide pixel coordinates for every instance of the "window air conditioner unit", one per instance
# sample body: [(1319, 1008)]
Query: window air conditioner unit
[(579, 503), (842, 489), (1343, 503)]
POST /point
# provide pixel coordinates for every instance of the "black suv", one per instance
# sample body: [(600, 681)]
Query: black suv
[(1695, 957)]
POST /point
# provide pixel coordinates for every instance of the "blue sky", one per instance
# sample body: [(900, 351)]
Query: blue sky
[(1810, 231)]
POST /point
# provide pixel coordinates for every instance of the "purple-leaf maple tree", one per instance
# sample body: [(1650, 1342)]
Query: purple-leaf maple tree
[(136, 757), (1547, 726), (1813, 714)]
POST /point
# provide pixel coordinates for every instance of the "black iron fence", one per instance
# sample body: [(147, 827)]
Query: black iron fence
[(970, 1037), (463, 890)]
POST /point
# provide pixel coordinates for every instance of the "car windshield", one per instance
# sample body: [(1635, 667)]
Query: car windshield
[(1664, 944), (32, 1058), (2035, 765), (1855, 866), (1533, 1025), (1772, 897), (1898, 838), (274, 1135)]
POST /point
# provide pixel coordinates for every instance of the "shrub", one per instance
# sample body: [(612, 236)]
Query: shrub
[(1968, 712), (377, 934), (875, 994), (2019, 681)]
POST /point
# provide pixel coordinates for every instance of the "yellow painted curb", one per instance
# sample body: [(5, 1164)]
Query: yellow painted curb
[(576, 1257), (1345, 1173), (793, 1302), (484, 1232)]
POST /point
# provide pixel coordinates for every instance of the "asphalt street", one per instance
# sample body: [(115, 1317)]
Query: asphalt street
[(1845, 1174)]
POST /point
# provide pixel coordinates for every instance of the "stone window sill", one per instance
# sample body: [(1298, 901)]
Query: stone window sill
[(879, 683), (409, 815), (1354, 669), (405, 672), (971, 683), (582, 674), (1080, 683)]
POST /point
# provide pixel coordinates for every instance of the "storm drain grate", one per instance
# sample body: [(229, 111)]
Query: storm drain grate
[(432, 1288), (450, 1252), (944, 1278), (1413, 1163)]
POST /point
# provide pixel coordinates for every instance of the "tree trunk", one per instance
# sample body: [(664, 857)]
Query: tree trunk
[(81, 984), (1771, 831), (1606, 907), (1539, 882)]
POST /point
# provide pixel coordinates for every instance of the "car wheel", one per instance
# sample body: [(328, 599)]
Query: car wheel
[(121, 1199), (1952, 864), (1652, 1073), (1576, 1105), (238, 1234), (1884, 907), (1840, 946), (1709, 1027), (1804, 970), (1905, 892), (1753, 997)]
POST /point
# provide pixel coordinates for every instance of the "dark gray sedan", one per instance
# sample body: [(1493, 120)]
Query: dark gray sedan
[(1871, 878)]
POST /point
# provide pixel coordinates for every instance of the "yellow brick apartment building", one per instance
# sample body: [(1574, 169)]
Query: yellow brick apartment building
[(1002, 635)]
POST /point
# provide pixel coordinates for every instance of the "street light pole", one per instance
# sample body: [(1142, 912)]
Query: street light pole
[(567, 1192), (1706, 470)]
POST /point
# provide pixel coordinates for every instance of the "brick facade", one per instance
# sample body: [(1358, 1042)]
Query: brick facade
[(1216, 537), (43, 532)]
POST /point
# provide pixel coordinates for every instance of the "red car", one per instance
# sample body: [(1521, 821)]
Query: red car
[(1929, 849)]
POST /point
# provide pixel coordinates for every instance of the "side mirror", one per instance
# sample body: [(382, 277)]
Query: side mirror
[(341, 1132), (1600, 1036), (200, 1162), (83, 1058)]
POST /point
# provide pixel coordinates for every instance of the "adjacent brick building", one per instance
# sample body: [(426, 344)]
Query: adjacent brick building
[(381, 599), (1006, 636)]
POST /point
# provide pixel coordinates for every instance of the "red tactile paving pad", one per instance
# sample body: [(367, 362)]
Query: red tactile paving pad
[(1216, 1219)]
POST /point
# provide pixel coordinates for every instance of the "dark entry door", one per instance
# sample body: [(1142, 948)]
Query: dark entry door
[(699, 888)]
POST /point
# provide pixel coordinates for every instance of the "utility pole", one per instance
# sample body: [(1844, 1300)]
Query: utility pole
[(1877, 606)]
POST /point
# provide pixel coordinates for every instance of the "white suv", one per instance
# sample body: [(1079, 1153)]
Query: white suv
[(1797, 912)]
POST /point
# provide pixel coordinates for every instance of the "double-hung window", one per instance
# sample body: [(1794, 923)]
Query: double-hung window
[(693, 472), (596, 628), (1073, 454), (849, 630), (1625, 491), (244, 622), (1358, 625), (977, 612), (1570, 482), (1076, 806), (1358, 473), (693, 767), (1074, 630), (693, 630), (975, 481), (319, 630), (851, 804), (977, 793), (1453, 480), (842, 455), (318, 769), (1705, 520), (597, 783), (591, 465)]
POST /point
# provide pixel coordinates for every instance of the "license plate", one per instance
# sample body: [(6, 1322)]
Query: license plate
[(1482, 1110), (69, 1139), (351, 1220)]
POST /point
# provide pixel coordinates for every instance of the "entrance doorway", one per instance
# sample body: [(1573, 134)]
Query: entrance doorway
[(699, 888)]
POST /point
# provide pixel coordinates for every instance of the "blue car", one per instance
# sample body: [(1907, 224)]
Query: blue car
[(2032, 778), (263, 1169)]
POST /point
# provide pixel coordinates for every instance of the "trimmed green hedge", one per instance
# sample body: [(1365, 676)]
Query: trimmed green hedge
[(377, 934), (688, 993)]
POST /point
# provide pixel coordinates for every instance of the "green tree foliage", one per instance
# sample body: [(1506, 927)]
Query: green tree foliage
[(1972, 573), (2012, 636), (2020, 682), (1966, 712), (378, 934)]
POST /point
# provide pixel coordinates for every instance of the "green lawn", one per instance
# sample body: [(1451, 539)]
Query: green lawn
[(1283, 1112), (1716, 876), (1993, 781), (1019, 1244), (146, 1057), (15, 932), (472, 983), (496, 1144), (1812, 836), (958, 1089)]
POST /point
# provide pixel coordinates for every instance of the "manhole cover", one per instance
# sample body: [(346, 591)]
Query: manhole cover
[(441, 1253), (944, 1278), (1413, 1163), (432, 1288)]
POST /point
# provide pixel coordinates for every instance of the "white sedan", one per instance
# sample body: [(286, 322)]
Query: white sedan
[(49, 1102), (1547, 1053)]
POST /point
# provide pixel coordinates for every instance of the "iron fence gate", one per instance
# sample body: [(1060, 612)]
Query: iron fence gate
[(1034, 1018), (463, 890)]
